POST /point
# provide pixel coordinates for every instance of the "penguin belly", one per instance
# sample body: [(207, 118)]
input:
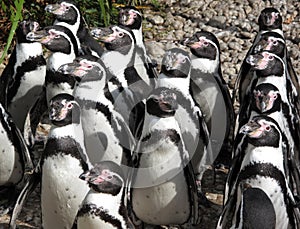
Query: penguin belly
[(274, 193), (163, 195), (92, 222), (30, 88), (100, 140), (10, 164), (62, 192), (165, 204)]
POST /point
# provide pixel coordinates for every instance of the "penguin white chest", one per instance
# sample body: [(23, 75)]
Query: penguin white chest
[(10, 164), (164, 196), (164, 204), (62, 191)]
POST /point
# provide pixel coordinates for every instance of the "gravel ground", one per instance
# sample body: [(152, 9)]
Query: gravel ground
[(234, 22)]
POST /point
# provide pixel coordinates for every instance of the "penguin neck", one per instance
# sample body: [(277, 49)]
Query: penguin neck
[(152, 122), (73, 131), (27, 50), (93, 91), (57, 59), (117, 62), (114, 205), (279, 31), (138, 34), (180, 84), (205, 65), (264, 154)]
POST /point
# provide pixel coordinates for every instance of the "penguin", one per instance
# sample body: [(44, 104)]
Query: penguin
[(125, 84), (104, 205), (175, 75), (15, 161), (163, 188), (269, 20), (107, 136), (261, 181), (210, 90), (62, 44), (23, 78), (64, 159), (121, 45), (131, 17), (266, 100), (270, 68), (272, 42), (68, 14)]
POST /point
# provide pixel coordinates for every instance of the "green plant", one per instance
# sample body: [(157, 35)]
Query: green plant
[(15, 17)]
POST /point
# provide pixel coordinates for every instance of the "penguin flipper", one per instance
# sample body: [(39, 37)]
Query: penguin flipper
[(34, 117), (31, 183), (6, 79)]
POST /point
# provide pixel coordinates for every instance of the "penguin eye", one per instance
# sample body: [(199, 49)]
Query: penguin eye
[(120, 34), (270, 57), (275, 42), (183, 60), (205, 43), (267, 128), (69, 106)]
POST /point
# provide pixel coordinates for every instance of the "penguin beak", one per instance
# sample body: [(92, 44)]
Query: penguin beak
[(56, 9), (67, 68), (252, 129), (39, 36), (189, 42), (103, 34), (264, 104)]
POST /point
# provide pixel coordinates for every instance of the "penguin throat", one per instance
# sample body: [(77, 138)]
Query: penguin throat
[(205, 65)]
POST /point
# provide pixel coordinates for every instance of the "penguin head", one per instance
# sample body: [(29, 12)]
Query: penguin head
[(176, 63), (262, 131), (266, 99), (115, 38), (204, 44), (56, 38), (64, 110), (270, 19), (104, 177), (162, 103), (24, 28), (266, 63), (85, 68), (272, 42), (130, 16), (65, 11)]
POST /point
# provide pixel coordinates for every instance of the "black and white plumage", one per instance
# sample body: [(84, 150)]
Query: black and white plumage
[(15, 160), (260, 181), (64, 159), (175, 75), (210, 90), (131, 17), (163, 186), (107, 136), (60, 41), (104, 205), (23, 78), (62, 44), (68, 14), (269, 20), (125, 84)]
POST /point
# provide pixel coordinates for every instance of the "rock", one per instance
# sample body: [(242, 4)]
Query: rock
[(156, 19)]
